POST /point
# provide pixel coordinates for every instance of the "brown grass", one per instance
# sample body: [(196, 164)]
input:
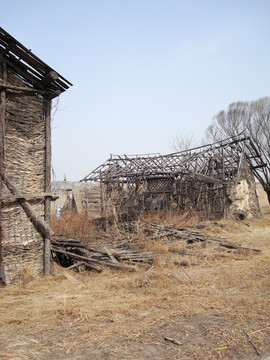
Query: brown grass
[(173, 218), (118, 315), (73, 225), (27, 275)]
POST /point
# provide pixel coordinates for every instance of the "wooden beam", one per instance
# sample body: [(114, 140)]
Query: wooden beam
[(51, 76), (209, 179), (36, 219), (48, 94), (94, 261), (25, 54), (28, 197), (258, 166), (30, 78), (2, 117), (3, 73), (53, 94), (88, 266), (47, 208), (21, 88)]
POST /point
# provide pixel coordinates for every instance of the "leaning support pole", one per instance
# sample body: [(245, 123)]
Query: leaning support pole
[(36, 219)]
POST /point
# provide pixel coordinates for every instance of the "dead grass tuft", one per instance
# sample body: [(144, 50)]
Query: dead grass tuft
[(27, 275), (74, 225), (173, 217), (197, 292)]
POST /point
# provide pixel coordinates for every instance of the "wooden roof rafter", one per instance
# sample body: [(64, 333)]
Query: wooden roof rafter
[(34, 73), (210, 162)]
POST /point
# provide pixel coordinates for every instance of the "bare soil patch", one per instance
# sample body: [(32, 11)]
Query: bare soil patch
[(203, 302)]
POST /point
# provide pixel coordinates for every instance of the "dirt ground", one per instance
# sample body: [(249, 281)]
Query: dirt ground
[(195, 302)]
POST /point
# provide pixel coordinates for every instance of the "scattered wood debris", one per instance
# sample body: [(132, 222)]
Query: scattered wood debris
[(125, 253), (189, 236), (252, 343), (73, 253), (173, 341)]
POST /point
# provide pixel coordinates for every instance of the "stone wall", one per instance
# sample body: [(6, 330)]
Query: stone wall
[(243, 202)]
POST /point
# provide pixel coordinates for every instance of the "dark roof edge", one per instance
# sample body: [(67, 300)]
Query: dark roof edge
[(33, 70)]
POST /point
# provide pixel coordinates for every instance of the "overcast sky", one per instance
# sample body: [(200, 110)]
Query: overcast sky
[(142, 70)]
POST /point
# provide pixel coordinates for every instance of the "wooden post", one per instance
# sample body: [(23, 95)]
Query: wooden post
[(224, 191), (3, 70), (101, 198), (47, 206)]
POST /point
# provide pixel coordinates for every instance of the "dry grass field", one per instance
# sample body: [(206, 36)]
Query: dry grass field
[(196, 301)]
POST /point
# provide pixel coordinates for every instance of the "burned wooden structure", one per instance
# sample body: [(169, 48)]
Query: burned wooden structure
[(216, 179), (27, 87)]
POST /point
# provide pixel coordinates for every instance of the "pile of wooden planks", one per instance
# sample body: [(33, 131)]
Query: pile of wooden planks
[(123, 254), (73, 253), (190, 236)]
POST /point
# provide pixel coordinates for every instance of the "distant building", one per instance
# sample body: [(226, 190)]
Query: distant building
[(216, 180), (77, 197)]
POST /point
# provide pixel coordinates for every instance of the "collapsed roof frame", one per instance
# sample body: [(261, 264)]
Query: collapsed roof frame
[(218, 163)]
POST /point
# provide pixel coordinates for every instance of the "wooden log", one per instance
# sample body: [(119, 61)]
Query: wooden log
[(36, 219), (50, 77), (234, 246), (95, 249), (68, 244), (194, 236), (93, 267), (28, 197), (53, 94), (22, 89), (110, 254), (91, 260), (252, 343), (103, 255), (47, 206), (3, 73), (59, 239), (201, 237), (208, 179), (173, 341), (24, 73), (2, 270), (74, 266), (88, 266), (23, 53), (78, 243)]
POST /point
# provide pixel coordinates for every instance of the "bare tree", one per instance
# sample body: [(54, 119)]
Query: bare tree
[(253, 118), (182, 141)]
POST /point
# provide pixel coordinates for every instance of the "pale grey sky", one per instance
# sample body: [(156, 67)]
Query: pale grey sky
[(142, 70)]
